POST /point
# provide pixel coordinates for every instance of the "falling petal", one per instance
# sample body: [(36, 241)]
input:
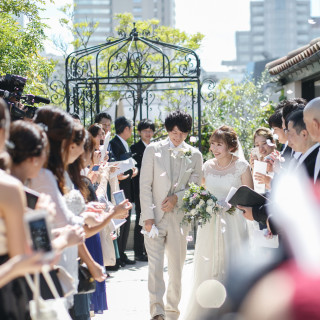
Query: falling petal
[(205, 258), (223, 229), (189, 238), (189, 170), (153, 206), (269, 143), (175, 184), (173, 156), (163, 174), (193, 139), (311, 21), (181, 230), (275, 136), (289, 91), (242, 119), (158, 154), (223, 221)]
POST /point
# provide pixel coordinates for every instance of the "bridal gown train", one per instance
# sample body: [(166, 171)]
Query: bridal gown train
[(220, 240)]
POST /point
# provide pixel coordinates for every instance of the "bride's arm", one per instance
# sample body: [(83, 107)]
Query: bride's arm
[(246, 178)]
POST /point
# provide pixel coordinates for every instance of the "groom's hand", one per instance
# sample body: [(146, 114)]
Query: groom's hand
[(169, 203), (148, 224)]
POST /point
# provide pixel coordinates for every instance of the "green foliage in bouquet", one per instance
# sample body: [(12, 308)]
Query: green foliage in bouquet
[(199, 205)]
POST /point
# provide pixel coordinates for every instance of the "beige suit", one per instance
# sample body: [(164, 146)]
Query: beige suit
[(163, 175)]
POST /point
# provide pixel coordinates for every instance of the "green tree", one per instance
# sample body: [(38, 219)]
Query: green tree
[(20, 46), (244, 106)]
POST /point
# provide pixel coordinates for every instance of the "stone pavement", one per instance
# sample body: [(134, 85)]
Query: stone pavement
[(127, 291)]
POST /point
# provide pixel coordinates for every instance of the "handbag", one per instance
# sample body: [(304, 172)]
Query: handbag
[(53, 309), (87, 284)]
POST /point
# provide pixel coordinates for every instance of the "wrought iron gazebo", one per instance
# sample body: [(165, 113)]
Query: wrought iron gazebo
[(134, 68)]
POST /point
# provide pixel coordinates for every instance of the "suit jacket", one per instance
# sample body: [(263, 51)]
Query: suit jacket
[(310, 162), (118, 152), (155, 178), (137, 151)]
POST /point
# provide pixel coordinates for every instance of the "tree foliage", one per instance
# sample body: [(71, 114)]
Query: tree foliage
[(244, 106), (20, 46)]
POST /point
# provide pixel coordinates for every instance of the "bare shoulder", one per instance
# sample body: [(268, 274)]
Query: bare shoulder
[(10, 188)]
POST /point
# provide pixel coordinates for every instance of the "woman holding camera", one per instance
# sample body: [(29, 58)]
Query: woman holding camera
[(13, 296)]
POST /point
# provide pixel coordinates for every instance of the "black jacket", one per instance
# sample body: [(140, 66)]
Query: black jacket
[(118, 152)]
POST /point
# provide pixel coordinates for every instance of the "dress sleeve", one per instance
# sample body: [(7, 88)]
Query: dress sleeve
[(46, 183), (241, 167)]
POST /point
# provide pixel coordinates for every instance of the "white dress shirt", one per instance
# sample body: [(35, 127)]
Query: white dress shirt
[(124, 142)]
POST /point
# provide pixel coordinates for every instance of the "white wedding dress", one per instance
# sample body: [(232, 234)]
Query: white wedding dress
[(220, 240)]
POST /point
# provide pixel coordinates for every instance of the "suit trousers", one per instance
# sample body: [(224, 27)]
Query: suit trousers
[(172, 241), (138, 238), (123, 237)]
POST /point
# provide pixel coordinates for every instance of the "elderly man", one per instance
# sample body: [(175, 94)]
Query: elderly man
[(311, 117)]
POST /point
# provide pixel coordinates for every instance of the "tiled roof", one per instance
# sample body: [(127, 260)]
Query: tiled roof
[(304, 54)]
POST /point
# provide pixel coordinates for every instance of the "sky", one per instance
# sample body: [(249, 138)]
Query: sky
[(217, 20)]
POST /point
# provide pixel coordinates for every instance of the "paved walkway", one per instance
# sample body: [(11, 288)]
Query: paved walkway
[(127, 291)]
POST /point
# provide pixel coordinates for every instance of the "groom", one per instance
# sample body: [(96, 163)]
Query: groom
[(168, 166)]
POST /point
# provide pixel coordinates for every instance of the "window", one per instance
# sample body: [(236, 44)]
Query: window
[(91, 2), (137, 9), (91, 11)]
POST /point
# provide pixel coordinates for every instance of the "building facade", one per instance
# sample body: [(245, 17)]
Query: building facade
[(103, 11), (276, 28)]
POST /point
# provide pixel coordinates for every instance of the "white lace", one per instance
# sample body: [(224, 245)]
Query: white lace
[(219, 240)]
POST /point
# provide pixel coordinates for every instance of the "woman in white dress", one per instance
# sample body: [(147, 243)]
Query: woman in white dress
[(221, 239)]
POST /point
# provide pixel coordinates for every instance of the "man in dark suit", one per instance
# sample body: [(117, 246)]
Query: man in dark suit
[(311, 116), (119, 150), (301, 141), (146, 130)]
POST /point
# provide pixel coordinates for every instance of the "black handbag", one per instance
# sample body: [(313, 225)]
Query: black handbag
[(87, 284)]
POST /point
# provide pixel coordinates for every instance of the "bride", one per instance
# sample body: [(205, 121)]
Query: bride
[(220, 239)]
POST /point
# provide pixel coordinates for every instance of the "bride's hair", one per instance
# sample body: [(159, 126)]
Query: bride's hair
[(227, 135)]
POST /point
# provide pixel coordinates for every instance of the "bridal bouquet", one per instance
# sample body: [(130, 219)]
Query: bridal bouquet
[(199, 205)]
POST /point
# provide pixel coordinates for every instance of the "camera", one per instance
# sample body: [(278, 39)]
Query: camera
[(11, 89)]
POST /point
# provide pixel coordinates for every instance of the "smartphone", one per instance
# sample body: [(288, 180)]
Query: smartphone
[(32, 197), (38, 230), (95, 168), (119, 196)]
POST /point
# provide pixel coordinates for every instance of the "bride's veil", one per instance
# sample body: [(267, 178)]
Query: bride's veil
[(239, 153)]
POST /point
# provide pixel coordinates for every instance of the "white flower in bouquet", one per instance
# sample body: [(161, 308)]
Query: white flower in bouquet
[(193, 212), (201, 203), (209, 209), (210, 202), (198, 206)]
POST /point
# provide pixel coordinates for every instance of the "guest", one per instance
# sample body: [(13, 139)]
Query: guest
[(146, 130), (265, 145), (311, 116), (301, 141), (13, 295), (97, 133), (275, 123), (121, 151), (105, 120)]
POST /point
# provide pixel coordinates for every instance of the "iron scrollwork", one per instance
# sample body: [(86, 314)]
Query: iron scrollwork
[(207, 90)]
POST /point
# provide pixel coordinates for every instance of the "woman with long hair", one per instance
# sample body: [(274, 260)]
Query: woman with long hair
[(13, 296)]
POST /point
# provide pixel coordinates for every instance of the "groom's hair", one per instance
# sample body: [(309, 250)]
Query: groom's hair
[(180, 119)]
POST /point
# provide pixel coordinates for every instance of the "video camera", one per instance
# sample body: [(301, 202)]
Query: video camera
[(11, 89)]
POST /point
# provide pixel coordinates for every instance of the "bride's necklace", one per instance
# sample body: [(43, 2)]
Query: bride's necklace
[(225, 167)]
